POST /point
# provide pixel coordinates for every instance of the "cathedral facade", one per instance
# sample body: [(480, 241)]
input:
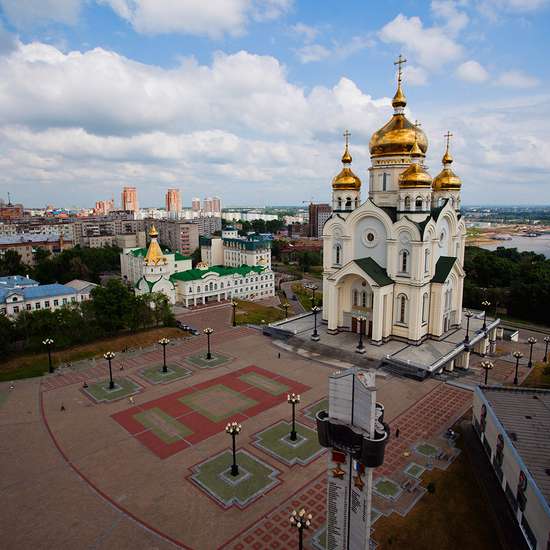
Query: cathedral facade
[(393, 264)]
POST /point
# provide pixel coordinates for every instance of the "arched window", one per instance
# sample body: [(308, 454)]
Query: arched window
[(339, 203), (348, 203), (338, 254), (404, 261), (355, 297), (425, 308), (364, 299), (357, 203), (407, 203), (385, 179), (426, 261), (419, 203), (402, 311)]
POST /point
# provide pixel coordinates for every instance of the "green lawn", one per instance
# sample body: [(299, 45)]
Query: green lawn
[(124, 387), (539, 377), (200, 360), (252, 313), (154, 374), (304, 295)]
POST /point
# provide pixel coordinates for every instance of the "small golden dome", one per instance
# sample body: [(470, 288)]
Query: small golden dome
[(447, 180), (414, 177), (399, 99), (153, 232), (346, 179)]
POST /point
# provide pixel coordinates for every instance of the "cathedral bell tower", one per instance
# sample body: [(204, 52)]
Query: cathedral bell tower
[(346, 186), (446, 184)]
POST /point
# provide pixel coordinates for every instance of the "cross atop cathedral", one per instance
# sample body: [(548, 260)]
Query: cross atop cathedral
[(399, 62), (448, 136), (347, 135)]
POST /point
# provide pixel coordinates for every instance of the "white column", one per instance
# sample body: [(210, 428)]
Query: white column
[(332, 308), (377, 315)]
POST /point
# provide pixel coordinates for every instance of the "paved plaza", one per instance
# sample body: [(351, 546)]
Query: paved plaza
[(150, 468)]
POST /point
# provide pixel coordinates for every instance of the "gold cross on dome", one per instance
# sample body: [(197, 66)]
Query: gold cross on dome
[(347, 135), (400, 61), (448, 136)]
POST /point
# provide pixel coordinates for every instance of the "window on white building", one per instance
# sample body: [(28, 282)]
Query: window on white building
[(404, 261), (407, 203), (419, 203), (402, 305), (425, 308), (29, 307), (426, 261)]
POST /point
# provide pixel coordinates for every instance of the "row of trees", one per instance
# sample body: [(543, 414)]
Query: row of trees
[(516, 282), (113, 308), (258, 226), (75, 263)]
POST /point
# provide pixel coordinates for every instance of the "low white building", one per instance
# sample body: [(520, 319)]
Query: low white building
[(513, 425), (19, 294)]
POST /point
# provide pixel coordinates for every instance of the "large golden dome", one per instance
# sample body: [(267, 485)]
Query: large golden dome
[(397, 137), (346, 179), (414, 177), (447, 180)]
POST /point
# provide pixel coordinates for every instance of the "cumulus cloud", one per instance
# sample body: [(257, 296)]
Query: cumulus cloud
[(517, 79), (492, 8), (472, 71), (337, 50), (431, 47), (307, 32), (312, 52), (415, 76), (24, 14), (447, 10), (212, 18)]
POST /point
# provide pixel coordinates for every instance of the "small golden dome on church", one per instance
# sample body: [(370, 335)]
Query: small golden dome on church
[(414, 176), (399, 99), (153, 231), (447, 180), (346, 179)]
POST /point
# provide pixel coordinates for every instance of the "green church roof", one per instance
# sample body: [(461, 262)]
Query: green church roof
[(195, 274), (374, 271), (443, 268)]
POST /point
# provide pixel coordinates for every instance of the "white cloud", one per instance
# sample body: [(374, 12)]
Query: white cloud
[(307, 32), (415, 76), (198, 17), (493, 8), (27, 13), (312, 52), (454, 19), (472, 71), (431, 47), (517, 79), (338, 50)]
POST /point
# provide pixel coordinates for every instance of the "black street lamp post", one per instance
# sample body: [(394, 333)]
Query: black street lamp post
[(486, 366), (233, 429), (208, 331), (362, 323), (315, 334), (293, 399), (518, 355), (164, 342), (48, 342), (285, 306), (485, 304), (110, 356), (313, 288), (234, 306), (546, 341), (468, 315), (531, 341), (300, 520)]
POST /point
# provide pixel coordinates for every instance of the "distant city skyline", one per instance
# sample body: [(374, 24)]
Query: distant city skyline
[(249, 102)]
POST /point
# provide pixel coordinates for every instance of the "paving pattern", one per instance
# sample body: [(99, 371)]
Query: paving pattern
[(203, 409)]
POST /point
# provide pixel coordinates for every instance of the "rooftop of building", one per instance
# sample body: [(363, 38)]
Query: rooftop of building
[(79, 284), (195, 274), (36, 292), (23, 238), (525, 415), (15, 281), (142, 252)]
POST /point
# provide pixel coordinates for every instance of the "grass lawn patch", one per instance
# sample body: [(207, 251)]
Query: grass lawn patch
[(426, 449), (539, 377), (314, 408), (100, 392), (200, 360), (29, 365), (166, 428), (253, 313), (454, 516), (154, 375), (415, 470), (387, 488), (304, 295), (276, 441), (256, 478), (264, 383)]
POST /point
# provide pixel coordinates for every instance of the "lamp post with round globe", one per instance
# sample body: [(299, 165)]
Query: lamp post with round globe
[(233, 429), (485, 304), (362, 323), (293, 399), (48, 342), (546, 341), (208, 331), (315, 334), (486, 366), (468, 316), (300, 520), (531, 341), (285, 306), (234, 305), (164, 342), (110, 356), (518, 355)]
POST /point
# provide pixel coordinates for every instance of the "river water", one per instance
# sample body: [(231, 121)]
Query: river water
[(540, 245)]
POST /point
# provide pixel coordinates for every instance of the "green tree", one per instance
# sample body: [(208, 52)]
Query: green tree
[(11, 264), (112, 305), (6, 334)]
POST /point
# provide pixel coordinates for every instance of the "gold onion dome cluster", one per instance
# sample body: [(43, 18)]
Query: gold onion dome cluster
[(447, 180), (398, 136), (154, 254), (346, 179)]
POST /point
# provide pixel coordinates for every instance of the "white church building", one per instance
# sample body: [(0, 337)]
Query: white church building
[(394, 258)]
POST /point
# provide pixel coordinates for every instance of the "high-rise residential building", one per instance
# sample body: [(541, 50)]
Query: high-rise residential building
[(178, 235), (318, 215), (216, 205), (196, 204), (129, 199), (207, 205), (173, 200), (102, 208)]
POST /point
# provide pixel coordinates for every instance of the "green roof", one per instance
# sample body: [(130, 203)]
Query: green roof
[(195, 274), (443, 268), (178, 256), (378, 274), (143, 252)]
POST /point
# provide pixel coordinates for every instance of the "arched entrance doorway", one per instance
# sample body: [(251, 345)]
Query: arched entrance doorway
[(356, 302)]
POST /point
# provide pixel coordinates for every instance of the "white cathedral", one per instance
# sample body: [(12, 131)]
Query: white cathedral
[(393, 265)]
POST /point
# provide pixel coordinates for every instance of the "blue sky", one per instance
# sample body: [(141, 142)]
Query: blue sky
[(248, 99)]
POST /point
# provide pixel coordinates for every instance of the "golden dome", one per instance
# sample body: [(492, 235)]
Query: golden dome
[(447, 180), (399, 99), (414, 177), (154, 254), (346, 179), (153, 231)]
